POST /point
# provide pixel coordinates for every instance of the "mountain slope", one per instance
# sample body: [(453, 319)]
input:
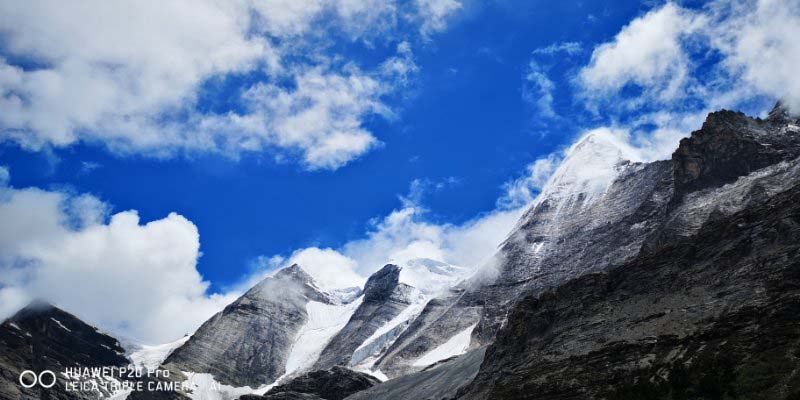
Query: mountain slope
[(43, 337), (384, 298), (713, 315), (440, 381), (593, 194), (599, 210), (250, 341)]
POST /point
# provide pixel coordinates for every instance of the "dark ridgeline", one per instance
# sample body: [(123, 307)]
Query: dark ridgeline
[(43, 337)]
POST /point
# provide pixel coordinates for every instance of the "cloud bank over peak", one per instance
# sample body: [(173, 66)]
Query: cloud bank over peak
[(403, 235)]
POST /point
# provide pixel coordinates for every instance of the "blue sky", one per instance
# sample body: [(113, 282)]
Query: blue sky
[(440, 106)]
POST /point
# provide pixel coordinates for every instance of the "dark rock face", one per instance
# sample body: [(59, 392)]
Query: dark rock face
[(713, 316), (384, 298), (42, 337), (332, 384), (440, 381), (437, 323), (248, 343), (730, 145), (381, 284)]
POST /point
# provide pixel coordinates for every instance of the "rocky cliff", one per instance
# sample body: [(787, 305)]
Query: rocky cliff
[(384, 298), (43, 337), (249, 342), (712, 316)]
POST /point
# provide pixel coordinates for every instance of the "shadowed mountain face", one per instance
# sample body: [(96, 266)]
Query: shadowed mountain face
[(42, 337), (731, 145), (439, 381), (713, 316), (248, 343)]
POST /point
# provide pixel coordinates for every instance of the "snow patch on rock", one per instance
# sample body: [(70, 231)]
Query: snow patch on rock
[(324, 322), (454, 346), (384, 336), (151, 357), (205, 387)]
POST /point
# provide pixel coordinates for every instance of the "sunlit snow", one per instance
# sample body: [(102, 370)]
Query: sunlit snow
[(151, 357), (454, 346), (324, 322)]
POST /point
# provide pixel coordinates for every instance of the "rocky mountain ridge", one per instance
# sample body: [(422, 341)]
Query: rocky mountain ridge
[(715, 315)]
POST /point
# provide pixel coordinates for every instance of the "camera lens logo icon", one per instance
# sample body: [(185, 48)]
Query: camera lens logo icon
[(45, 379)]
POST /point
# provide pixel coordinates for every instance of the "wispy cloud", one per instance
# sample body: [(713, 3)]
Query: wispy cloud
[(538, 87), (569, 48)]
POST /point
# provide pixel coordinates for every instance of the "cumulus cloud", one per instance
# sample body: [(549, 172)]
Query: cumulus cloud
[(759, 42), (131, 76), (102, 61), (330, 268), (721, 55), (320, 117), (647, 52), (135, 279)]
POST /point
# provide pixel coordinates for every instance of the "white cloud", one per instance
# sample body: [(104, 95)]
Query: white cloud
[(321, 117), (538, 87), (759, 41), (105, 62), (330, 269), (647, 52), (570, 48), (724, 54), (523, 190), (538, 90), (130, 75), (138, 280), (403, 235), (434, 14)]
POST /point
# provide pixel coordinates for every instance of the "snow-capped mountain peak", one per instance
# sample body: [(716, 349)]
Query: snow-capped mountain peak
[(588, 169)]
